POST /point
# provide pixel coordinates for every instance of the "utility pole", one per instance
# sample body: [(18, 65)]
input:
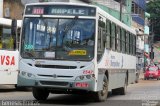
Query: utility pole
[(152, 41)]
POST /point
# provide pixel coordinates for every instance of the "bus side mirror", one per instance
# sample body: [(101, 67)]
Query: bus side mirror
[(14, 27)]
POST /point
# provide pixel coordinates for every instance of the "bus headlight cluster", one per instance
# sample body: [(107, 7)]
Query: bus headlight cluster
[(27, 74), (85, 77)]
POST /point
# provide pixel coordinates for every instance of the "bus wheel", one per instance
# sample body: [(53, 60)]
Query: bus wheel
[(123, 90), (102, 95), (40, 93)]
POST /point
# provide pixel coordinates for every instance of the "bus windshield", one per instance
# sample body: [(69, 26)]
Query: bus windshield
[(59, 39)]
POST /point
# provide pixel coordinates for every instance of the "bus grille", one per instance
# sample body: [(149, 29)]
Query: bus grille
[(59, 76), (54, 83), (56, 66)]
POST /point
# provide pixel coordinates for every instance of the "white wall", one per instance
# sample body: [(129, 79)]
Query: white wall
[(1, 8), (140, 43)]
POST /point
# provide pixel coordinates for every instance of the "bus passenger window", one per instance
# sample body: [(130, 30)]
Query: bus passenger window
[(108, 34), (113, 36), (0, 37), (123, 40), (118, 40), (7, 40), (101, 40)]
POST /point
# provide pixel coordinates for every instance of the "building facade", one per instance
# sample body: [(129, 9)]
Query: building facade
[(120, 9), (139, 24), (1, 8), (12, 9)]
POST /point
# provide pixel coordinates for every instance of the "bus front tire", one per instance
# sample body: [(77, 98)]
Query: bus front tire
[(101, 96), (40, 93)]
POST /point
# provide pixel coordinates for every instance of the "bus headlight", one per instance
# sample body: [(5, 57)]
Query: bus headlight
[(29, 74), (84, 77), (88, 76), (81, 77), (25, 74)]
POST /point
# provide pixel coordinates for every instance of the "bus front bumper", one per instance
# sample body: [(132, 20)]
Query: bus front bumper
[(87, 85)]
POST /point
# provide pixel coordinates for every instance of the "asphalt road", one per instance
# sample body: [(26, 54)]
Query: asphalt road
[(144, 93)]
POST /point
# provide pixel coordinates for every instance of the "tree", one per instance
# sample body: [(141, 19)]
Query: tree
[(153, 7)]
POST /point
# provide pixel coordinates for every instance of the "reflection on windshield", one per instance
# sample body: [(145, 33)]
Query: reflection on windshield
[(69, 39), (153, 68)]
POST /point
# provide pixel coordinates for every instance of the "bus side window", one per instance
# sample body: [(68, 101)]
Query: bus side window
[(113, 36), (127, 42), (118, 40), (108, 34), (134, 45), (18, 38), (130, 44), (7, 39), (101, 39), (123, 40), (0, 37)]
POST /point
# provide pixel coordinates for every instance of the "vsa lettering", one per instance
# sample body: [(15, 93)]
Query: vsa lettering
[(7, 60)]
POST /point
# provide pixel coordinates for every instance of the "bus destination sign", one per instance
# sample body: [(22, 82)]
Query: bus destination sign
[(38, 11), (63, 11), (68, 10)]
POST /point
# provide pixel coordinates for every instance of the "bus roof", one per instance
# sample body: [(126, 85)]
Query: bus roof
[(104, 13), (61, 3), (7, 22)]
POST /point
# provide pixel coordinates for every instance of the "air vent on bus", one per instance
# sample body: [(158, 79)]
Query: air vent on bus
[(54, 83), (82, 66), (29, 64), (56, 66), (59, 76)]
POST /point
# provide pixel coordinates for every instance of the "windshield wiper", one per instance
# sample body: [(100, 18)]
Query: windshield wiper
[(29, 54), (70, 25)]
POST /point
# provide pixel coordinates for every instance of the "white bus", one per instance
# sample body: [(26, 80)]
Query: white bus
[(8, 52), (68, 47)]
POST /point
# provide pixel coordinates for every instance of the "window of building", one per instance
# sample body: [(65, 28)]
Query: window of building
[(133, 7), (137, 10)]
